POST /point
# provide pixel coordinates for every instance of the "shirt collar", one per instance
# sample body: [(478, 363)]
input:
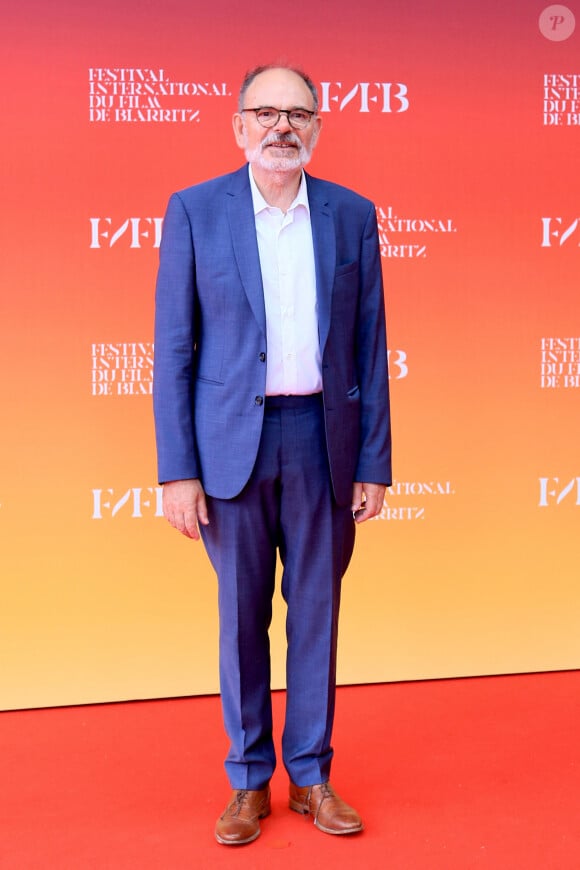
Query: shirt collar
[(260, 203)]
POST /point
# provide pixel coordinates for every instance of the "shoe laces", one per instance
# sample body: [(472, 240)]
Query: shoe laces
[(325, 791), (239, 801)]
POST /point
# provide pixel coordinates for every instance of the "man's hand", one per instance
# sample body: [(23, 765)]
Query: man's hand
[(367, 500), (184, 506)]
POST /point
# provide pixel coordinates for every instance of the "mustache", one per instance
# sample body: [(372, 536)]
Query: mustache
[(288, 138)]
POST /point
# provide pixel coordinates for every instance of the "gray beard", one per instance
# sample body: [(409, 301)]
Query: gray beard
[(259, 156)]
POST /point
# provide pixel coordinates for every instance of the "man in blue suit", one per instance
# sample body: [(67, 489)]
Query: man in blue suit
[(273, 433)]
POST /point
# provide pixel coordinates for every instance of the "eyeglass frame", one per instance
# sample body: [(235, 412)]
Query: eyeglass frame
[(287, 112)]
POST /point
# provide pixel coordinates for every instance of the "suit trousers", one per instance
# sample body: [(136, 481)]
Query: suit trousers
[(287, 507)]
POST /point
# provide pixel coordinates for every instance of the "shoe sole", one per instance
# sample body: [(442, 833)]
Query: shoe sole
[(251, 839), (238, 842), (339, 833), (298, 808)]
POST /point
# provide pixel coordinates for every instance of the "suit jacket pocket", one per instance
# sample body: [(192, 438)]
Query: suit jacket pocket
[(346, 269), (207, 380)]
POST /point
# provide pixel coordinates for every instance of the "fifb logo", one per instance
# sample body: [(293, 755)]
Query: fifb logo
[(135, 231), (134, 503), (556, 232), (388, 97), (553, 492), (398, 368)]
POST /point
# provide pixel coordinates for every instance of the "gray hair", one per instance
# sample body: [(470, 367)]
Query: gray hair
[(258, 70)]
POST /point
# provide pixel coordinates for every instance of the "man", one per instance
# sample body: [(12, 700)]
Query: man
[(272, 417)]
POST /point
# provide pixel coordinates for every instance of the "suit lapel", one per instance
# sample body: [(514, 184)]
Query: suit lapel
[(245, 244), (324, 240)]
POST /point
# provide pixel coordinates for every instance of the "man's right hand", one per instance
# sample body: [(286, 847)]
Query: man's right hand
[(184, 506)]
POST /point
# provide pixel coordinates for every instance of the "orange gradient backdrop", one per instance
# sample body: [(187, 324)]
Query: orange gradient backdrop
[(462, 123)]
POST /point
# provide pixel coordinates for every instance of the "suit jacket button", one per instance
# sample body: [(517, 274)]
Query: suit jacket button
[(259, 400), (262, 357)]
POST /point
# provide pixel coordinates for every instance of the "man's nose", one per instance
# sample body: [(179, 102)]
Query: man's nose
[(283, 124)]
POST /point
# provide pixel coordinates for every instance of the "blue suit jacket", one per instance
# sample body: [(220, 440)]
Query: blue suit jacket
[(210, 337)]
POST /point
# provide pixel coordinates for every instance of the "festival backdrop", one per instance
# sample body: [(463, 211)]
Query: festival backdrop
[(461, 121)]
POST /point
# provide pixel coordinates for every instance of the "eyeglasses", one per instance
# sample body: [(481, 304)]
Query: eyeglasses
[(267, 116)]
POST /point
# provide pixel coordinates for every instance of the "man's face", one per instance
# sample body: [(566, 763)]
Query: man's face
[(279, 148)]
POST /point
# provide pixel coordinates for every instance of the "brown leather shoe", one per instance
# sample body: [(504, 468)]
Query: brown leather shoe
[(240, 823), (331, 814)]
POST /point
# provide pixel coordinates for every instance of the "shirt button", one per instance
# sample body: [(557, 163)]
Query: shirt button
[(262, 357), (259, 400)]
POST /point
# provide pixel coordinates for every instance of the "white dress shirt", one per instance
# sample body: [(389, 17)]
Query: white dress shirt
[(289, 280)]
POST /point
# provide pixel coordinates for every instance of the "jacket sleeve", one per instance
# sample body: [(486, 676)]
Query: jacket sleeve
[(374, 458), (175, 341)]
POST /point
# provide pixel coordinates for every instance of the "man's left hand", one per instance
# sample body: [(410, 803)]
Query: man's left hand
[(367, 500)]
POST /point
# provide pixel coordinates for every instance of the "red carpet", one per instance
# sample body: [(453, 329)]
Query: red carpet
[(448, 774)]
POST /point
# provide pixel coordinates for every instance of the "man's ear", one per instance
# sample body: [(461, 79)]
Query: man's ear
[(317, 121), (239, 133)]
